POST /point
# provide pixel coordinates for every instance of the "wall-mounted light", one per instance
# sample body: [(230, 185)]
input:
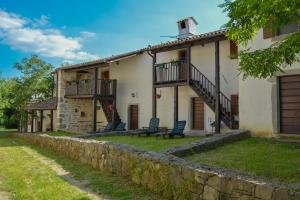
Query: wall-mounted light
[(158, 95)]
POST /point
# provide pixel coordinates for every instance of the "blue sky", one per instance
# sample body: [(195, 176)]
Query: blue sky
[(79, 30)]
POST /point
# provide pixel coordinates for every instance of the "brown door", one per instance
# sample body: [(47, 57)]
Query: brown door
[(183, 67), (290, 104), (198, 113), (105, 75), (133, 117)]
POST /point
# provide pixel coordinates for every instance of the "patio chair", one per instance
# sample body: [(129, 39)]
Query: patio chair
[(176, 131), (152, 129), (107, 128), (120, 129)]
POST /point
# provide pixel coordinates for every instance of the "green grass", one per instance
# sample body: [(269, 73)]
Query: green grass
[(62, 133), (149, 143), (257, 156), (27, 178)]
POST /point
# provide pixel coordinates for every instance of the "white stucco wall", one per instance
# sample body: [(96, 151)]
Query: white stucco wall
[(134, 86), (258, 97), (202, 57), (134, 75)]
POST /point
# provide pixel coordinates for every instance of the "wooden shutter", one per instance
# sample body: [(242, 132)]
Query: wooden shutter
[(134, 117), (198, 113), (268, 32), (233, 50), (234, 104)]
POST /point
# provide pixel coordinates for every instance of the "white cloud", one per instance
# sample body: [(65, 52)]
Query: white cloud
[(87, 34), (26, 35)]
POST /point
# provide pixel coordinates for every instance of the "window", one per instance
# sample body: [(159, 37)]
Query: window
[(182, 25), (289, 28), (82, 114)]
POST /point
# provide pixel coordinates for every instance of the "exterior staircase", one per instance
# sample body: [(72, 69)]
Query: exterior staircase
[(206, 89), (106, 105)]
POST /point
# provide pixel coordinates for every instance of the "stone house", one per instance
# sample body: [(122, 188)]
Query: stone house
[(194, 78)]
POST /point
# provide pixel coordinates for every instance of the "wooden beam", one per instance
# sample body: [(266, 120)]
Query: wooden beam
[(217, 89), (114, 114), (188, 62), (51, 120), (42, 118), (184, 45), (95, 80), (162, 85), (94, 115), (154, 103), (95, 99), (32, 119), (175, 104)]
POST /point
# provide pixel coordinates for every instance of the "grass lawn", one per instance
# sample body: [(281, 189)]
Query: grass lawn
[(25, 176), (149, 143), (257, 156)]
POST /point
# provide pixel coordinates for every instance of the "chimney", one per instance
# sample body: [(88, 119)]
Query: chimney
[(187, 27)]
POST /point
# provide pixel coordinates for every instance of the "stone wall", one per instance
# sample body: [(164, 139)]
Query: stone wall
[(69, 111), (167, 175)]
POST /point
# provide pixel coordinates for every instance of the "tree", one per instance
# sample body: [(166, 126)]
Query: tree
[(247, 17), (36, 82)]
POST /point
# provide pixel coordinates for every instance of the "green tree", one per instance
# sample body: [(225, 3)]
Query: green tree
[(247, 17), (36, 82)]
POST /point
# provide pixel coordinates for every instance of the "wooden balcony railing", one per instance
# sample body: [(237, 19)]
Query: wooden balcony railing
[(87, 88), (172, 72)]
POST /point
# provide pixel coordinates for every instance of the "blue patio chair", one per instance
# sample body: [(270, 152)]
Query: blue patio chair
[(176, 131), (152, 129), (107, 128)]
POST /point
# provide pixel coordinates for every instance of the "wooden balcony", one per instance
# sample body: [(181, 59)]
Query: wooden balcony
[(87, 88), (172, 73)]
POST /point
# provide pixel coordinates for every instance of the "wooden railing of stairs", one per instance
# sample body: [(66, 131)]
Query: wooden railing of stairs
[(206, 89), (175, 73), (107, 106)]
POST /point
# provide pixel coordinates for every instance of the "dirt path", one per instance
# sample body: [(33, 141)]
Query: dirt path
[(80, 185), (4, 195)]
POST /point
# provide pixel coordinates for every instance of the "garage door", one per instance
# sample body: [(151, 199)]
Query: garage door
[(290, 104)]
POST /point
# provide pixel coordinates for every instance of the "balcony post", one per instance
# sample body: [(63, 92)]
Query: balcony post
[(188, 62), (217, 90), (153, 85), (175, 104), (114, 104), (94, 114), (32, 119), (96, 80), (51, 120), (42, 118)]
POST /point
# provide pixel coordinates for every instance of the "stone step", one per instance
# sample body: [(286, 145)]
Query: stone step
[(291, 141), (289, 136)]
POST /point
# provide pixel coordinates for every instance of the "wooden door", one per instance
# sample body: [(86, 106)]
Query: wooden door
[(198, 113), (182, 56), (105, 75), (133, 117), (290, 104)]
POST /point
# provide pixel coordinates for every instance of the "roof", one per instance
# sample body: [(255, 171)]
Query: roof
[(113, 58), (49, 104)]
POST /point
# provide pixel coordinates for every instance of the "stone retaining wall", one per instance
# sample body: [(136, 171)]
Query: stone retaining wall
[(170, 176), (209, 143)]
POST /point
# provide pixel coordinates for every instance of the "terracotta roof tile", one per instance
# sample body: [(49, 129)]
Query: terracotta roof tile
[(49, 104), (204, 36)]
